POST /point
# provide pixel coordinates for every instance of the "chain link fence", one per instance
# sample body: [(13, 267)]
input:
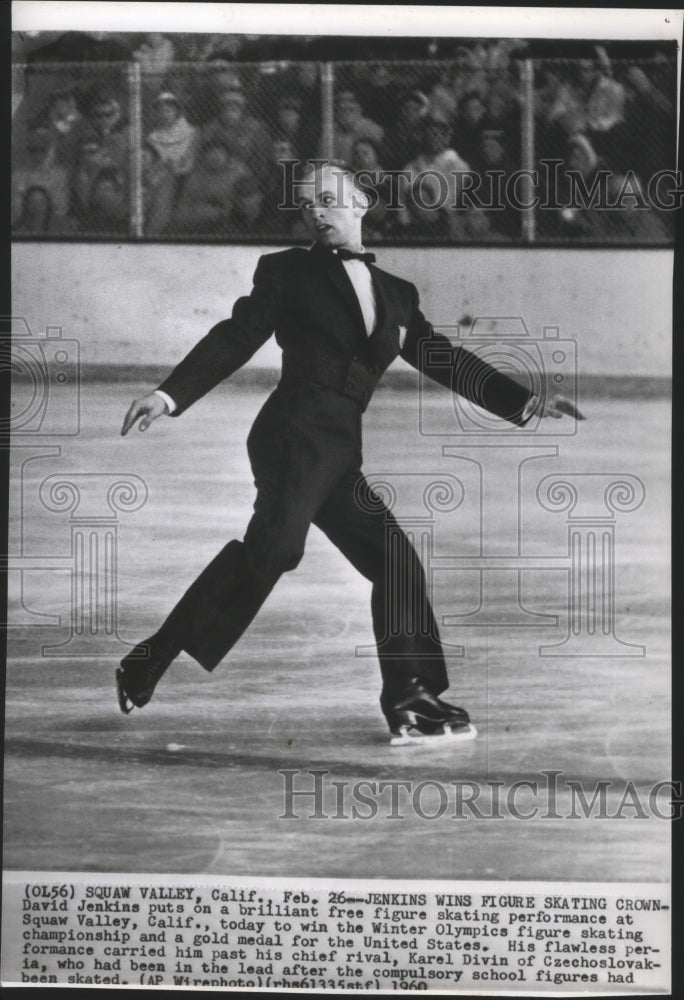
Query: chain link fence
[(530, 151)]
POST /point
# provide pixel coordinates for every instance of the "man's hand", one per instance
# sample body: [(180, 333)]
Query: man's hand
[(148, 407), (556, 406)]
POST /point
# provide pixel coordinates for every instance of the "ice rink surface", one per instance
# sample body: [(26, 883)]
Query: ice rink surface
[(191, 783)]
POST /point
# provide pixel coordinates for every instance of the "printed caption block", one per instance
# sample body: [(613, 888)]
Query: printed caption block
[(321, 936)]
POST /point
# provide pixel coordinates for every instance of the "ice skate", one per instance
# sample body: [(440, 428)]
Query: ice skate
[(140, 672), (422, 718), (410, 734)]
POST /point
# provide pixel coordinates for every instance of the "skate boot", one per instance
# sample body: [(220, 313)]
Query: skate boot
[(140, 672), (422, 717)]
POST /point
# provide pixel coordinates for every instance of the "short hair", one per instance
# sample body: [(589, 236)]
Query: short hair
[(339, 167)]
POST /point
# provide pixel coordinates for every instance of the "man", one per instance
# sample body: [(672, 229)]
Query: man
[(351, 124), (340, 323), (438, 159)]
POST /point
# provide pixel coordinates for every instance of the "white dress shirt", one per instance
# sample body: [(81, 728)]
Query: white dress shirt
[(360, 277)]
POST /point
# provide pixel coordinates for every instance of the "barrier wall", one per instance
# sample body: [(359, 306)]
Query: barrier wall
[(147, 304)]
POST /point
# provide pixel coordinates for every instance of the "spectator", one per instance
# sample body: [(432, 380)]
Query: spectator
[(306, 83), (64, 122), (649, 115), (402, 139), (199, 91), (206, 197), (466, 76), (175, 139), (155, 55), (277, 221), (38, 216), (379, 89), (437, 154), (559, 103), (602, 101), (350, 125), (158, 190), (470, 124), (37, 168), (365, 158), (291, 128), (91, 160), (439, 160), (245, 136), (503, 113), (579, 222), (491, 160), (108, 206), (429, 220), (604, 97), (105, 125), (248, 216)]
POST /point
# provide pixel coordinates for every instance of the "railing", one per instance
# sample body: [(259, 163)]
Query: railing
[(560, 152)]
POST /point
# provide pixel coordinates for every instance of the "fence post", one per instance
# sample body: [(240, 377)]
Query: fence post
[(135, 150), (527, 145), (327, 110)]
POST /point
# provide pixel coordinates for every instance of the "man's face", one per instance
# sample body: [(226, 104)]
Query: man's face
[(365, 155), (474, 110), (282, 150), (348, 110), (231, 109), (332, 208), (587, 72), (168, 113), (106, 114), (36, 202), (436, 136), (492, 150), (411, 112), (288, 119), (63, 108)]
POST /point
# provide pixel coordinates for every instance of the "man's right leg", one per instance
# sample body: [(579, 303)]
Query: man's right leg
[(206, 623), (292, 481)]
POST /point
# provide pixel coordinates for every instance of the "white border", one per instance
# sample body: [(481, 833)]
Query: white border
[(350, 19)]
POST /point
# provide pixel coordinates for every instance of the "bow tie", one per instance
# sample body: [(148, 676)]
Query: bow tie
[(344, 254)]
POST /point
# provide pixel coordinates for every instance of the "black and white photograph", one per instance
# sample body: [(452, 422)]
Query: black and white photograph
[(338, 624)]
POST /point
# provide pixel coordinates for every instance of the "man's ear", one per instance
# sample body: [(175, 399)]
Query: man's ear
[(361, 202)]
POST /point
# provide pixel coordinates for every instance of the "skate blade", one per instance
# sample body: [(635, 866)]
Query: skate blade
[(125, 704), (410, 738)]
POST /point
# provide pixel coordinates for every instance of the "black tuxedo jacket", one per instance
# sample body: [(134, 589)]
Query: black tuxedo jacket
[(307, 299)]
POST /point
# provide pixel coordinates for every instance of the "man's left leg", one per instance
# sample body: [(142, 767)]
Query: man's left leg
[(409, 648)]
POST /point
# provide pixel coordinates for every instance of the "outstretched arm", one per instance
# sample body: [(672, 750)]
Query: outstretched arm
[(227, 346), (462, 371)]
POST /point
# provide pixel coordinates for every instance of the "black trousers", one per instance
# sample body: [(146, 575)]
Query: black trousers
[(296, 451)]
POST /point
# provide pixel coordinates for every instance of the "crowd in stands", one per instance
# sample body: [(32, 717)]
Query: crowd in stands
[(214, 134)]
